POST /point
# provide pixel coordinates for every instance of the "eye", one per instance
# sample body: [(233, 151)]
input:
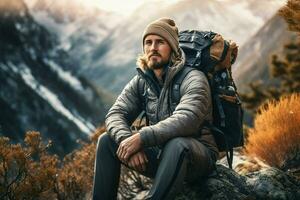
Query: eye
[(148, 42)]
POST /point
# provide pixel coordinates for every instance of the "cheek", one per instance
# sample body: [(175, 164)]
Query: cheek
[(146, 50), (166, 52)]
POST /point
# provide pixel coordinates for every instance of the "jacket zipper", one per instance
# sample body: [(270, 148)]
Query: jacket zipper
[(159, 96), (162, 94), (149, 80), (159, 102)]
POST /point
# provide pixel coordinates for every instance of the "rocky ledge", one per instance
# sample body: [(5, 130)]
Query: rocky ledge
[(250, 179), (268, 183)]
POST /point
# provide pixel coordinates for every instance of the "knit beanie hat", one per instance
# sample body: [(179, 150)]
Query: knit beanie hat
[(165, 28)]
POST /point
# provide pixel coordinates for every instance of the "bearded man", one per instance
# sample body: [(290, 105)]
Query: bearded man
[(174, 146)]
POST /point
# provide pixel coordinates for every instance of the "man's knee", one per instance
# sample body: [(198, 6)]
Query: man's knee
[(103, 138), (177, 145), (105, 142)]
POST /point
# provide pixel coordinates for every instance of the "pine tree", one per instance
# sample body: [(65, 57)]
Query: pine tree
[(291, 13), (285, 69)]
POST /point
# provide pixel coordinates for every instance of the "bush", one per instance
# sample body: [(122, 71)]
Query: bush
[(27, 172), (30, 172), (275, 137)]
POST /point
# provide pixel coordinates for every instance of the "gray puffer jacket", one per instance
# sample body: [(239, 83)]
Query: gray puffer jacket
[(187, 119)]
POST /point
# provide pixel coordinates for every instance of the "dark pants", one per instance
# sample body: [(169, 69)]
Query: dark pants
[(181, 159)]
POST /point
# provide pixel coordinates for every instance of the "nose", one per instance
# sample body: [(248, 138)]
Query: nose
[(153, 46)]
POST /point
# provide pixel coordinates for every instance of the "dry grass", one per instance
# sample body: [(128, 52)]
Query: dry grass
[(29, 172), (75, 177), (275, 137)]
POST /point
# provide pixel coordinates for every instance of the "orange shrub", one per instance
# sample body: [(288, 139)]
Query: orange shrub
[(75, 177), (30, 172), (27, 172), (275, 137)]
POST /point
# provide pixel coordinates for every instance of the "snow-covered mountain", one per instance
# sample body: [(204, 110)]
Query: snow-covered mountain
[(114, 58), (36, 91), (105, 45), (79, 26)]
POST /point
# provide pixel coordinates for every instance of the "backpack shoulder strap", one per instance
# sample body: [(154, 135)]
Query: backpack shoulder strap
[(175, 93), (141, 87), (142, 96)]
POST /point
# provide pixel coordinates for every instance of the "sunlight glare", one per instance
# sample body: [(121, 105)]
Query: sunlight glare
[(124, 7)]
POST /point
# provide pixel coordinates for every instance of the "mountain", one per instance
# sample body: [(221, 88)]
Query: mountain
[(114, 59), (254, 57), (79, 26), (36, 91), (262, 9), (253, 62), (105, 45)]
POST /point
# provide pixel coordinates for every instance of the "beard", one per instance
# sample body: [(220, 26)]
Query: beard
[(155, 64)]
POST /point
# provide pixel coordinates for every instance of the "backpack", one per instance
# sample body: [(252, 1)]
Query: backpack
[(210, 53)]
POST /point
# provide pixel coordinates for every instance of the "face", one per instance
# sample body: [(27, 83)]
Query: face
[(157, 51)]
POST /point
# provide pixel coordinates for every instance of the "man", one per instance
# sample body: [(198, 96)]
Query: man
[(174, 147)]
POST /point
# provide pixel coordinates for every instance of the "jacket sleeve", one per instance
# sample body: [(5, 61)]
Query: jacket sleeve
[(194, 107), (124, 111)]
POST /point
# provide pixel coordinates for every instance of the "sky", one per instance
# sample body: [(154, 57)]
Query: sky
[(123, 7)]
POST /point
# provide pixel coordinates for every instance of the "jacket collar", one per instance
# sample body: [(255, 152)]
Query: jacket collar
[(175, 68), (171, 71)]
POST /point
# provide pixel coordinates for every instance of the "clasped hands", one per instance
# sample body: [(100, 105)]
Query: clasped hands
[(130, 152)]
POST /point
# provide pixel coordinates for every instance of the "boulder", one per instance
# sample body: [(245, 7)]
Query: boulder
[(250, 180), (225, 184), (268, 183)]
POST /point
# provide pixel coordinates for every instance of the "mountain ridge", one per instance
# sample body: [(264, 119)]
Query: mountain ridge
[(37, 92), (253, 62), (116, 55)]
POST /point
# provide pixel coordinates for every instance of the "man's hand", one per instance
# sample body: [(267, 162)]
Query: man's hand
[(128, 147), (138, 161)]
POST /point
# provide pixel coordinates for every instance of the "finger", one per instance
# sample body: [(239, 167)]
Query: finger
[(129, 152), (137, 163), (142, 162), (120, 153), (124, 153), (145, 157), (119, 150), (130, 163)]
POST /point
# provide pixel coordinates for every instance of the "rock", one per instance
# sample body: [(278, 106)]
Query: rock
[(272, 183), (226, 184), (250, 179), (267, 183)]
